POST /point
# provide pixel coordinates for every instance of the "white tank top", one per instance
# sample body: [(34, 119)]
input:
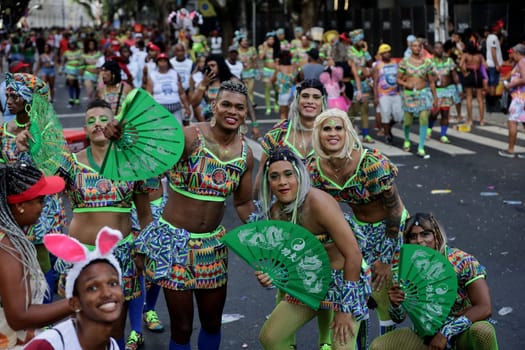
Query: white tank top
[(165, 87), (183, 69)]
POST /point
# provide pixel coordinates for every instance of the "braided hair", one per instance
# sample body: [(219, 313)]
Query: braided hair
[(234, 86), (16, 178), (427, 221)]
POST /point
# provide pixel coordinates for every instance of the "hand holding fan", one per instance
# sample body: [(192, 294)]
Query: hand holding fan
[(152, 140), (295, 260), (430, 285)]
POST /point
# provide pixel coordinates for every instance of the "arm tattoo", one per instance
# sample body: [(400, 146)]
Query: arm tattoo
[(392, 205)]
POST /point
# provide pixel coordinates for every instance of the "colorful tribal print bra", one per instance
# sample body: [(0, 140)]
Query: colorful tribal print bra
[(9, 150), (277, 137), (374, 175), (202, 175), (421, 71), (89, 191)]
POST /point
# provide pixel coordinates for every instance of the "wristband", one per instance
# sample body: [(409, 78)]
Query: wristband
[(202, 88), (456, 326), (459, 87), (354, 294), (255, 124), (257, 214)]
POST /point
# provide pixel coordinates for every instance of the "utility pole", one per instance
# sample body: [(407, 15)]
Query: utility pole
[(242, 18), (440, 20)]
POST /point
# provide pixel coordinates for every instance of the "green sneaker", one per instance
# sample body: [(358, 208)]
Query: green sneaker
[(429, 133), (276, 108), (77, 101), (368, 139), (135, 341), (422, 154), (151, 319), (444, 139), (325, 347), (268, 111), (406, 146)]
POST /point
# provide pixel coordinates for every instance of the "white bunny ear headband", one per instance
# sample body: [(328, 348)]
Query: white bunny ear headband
[(71, 250)]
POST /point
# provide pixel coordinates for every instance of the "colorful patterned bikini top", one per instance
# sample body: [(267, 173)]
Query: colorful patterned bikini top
[(421, 71), (202, 175), (9, 150), (374, 175), (90, 192), (468, 270), (277, 137), (444, 67)]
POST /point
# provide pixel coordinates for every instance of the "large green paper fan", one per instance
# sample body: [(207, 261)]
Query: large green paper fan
[(152, 140), (295, 260), (430, 285), (47, 144)]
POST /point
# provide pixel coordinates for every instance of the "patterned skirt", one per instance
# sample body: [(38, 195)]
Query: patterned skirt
[(447, 96), (417, 101), (179, 260), (372, 240)]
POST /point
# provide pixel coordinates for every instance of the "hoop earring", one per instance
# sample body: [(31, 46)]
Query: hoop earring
[(28, 108), (213, 122)]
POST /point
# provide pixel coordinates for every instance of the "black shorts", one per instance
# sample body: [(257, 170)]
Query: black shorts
[(473, 79)]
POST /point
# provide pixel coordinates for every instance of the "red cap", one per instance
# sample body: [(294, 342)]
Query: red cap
[(343, 36), (153, 47), (510, 51), (43, 187), (16, 68), (161, 56)]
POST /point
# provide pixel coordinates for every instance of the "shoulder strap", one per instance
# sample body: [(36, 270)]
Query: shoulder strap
[(61, 337)]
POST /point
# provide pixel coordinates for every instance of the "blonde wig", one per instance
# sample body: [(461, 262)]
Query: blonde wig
[(351, 138)]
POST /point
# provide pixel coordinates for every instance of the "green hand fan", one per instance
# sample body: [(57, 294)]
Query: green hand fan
[(430, 284), (295, 260), (152, 140), (48, 145)]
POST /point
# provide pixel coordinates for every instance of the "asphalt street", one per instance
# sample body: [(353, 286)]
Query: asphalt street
[(472, 209)]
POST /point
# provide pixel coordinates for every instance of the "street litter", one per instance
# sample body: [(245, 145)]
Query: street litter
[(513, 202), (505, 311), (228, 318), (489, 194), (446, 191)]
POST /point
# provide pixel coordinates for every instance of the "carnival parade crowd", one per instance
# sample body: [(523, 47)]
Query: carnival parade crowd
[(128, 240)]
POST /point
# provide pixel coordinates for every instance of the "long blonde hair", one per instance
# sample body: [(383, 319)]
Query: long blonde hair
[(351, 138)]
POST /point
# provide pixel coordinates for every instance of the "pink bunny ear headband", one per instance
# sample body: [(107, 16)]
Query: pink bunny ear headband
[(71, 250)]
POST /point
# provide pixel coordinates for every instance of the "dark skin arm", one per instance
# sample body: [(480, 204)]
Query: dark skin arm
[(396, 297), (481, 308), (394, 208), (242, 198), (258, 177), (13, 295), (375, 76)]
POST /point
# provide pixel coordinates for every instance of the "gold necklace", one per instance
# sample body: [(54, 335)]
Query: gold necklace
[(337, 170)]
